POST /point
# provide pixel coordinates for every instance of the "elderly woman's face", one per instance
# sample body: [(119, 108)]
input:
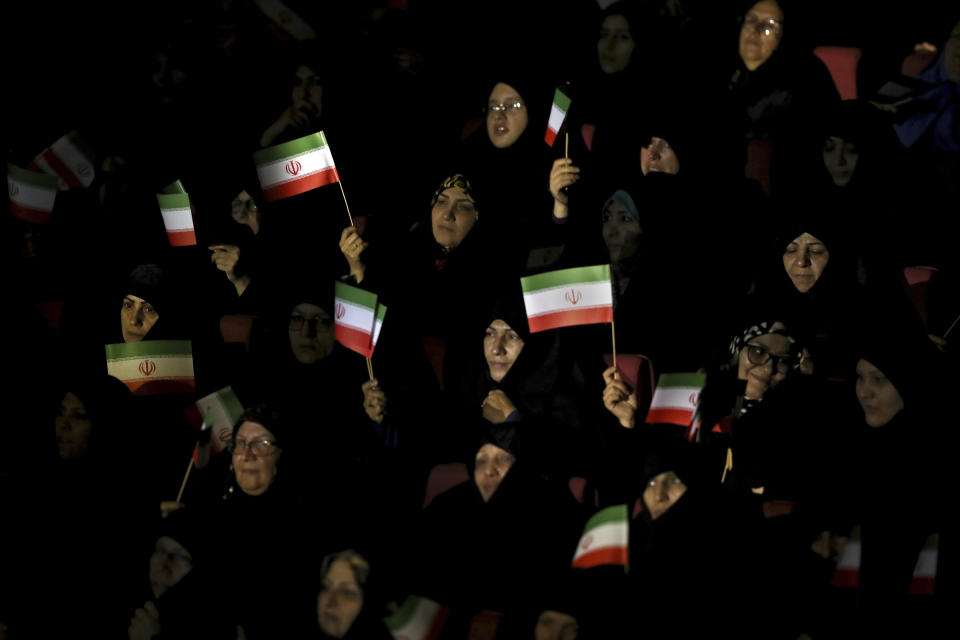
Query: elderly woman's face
[(501, 347), (662, 492), (878, 398), (340, 599), (760, 34), (764, 362), (137, 317), (804, 260), (615, 45), (311, 333), (255, 456), (73, 426), (492, 465), (452, 218), (169, 564), (506, 115), (621, 231)]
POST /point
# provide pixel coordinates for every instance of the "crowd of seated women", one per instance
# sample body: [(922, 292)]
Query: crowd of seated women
[(797, 249)]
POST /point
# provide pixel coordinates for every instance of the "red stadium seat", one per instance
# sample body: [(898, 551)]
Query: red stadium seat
[(842, 63), (443, 477), (236, 329)]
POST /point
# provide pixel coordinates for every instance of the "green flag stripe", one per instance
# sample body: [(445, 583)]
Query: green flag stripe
[(230, 402), (403, 615), (561, 100), (682, 380), (381, 312), (174, 187), (355, 295), (565, 277), (292, 148), (611, 515), (173, 200), (149, 348), (35, 178)]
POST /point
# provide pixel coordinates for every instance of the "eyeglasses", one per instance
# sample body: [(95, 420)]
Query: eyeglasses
[(759, 355), (506, 109), (249, 205), (297, 323), (766, 28), (261, 447)]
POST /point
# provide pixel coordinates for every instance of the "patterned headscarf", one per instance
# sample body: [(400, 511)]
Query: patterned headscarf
[(458, 181), (756, 330)]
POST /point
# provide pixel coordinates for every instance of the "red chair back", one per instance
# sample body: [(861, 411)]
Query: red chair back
[(236, 329), (443, 477), (842, 63)]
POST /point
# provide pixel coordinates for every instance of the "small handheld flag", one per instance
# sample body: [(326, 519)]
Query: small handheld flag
[(568, 297), (604, 540), (675, 398), (295, 167), (222, 409), (31, 194), (68, 161), (417, 619), (558, 115), (177, 215), (153, 366), (355, 318)]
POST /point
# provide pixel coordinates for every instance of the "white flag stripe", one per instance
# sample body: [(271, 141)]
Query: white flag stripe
[(30, 195), (674, 397), (313, 161), (556, 118), (177, 219), (166, 367), (355, 316), (612, 534), (376, 331), (420, 622), (44, 166), (586, 295), (926, 564), (74, 159)]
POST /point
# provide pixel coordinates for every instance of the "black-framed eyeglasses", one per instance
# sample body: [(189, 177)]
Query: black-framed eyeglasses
[(260, 447), (297, 323), (513, 107), (767, 28), (760, 355), (249, 205)]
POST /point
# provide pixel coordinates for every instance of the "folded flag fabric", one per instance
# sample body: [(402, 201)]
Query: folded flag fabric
[(68, 161), (378, 324), (354, 318), (675, 398), (284, 17), (417, 619), (296, 166), (568, 297), (177, 216), (31, 194), (201, 452), (847, 573), (222, 409), (558, 114), (153, 366), (604, 539)]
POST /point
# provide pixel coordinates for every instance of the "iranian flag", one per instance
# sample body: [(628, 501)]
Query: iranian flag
[(378, 324), (604, 539), (31, 194), (284, 17), (568, 297), (355, 318), (67, 161), (222, 409), (153, 366), (177, 216), (558, 113), (201, 452), (417, 619), (847, 573), (294, 167), (675, 398)]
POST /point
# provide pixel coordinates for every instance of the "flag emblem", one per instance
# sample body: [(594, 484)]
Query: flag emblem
[(148, 368), (293, 167)]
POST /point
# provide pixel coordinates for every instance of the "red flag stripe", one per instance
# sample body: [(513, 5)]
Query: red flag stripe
[(681, 417), (182, 238), (605, 555), (300, 185), (62, 170), (33, 216), (571, 318)]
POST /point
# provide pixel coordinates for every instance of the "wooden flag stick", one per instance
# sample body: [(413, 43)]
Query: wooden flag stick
[(340, 182), (566, 144), (370, 368), (183, 485), (613, 336), (951, 328)]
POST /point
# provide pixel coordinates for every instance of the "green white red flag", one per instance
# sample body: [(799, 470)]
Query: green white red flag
[(201, 452), (68, 161), (31, 194), (675, 398), (296, 166), (177, 215), (380, 314), (153, 366), (355, 318), (582, 295), (847, 573), (605, 539), (558, 115), (285, 18), (417, 618), (222, 409)]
